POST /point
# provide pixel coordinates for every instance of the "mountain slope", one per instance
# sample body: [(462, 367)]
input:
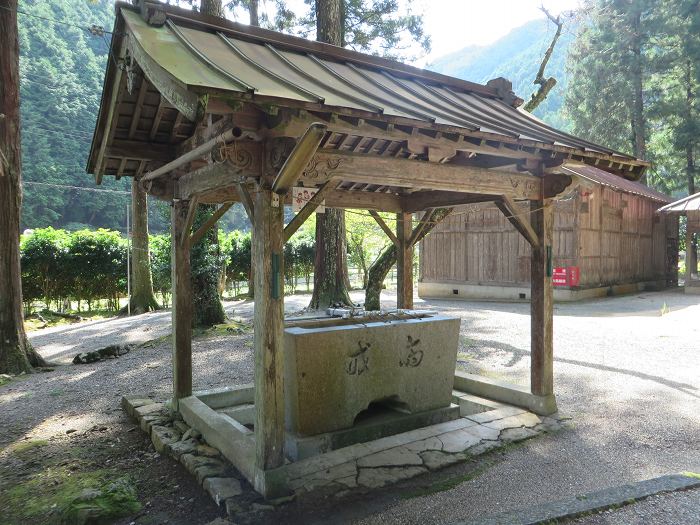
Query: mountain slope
[(517, 56)]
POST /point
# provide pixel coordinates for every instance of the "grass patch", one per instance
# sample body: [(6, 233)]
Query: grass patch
[(691, 475), (5, 379), (30, 444), (59, 495), (447, 484)]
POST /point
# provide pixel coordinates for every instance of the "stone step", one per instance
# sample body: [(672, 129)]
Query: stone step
[(470, 404)]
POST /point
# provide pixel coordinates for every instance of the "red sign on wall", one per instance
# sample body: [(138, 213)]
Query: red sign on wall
[(566, 276)]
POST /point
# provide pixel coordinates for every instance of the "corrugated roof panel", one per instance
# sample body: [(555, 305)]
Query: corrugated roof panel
[(217, 51), (608, 179), (168, 51), (684, 205)]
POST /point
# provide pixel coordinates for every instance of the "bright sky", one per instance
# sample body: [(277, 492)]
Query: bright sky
[(455, 24)]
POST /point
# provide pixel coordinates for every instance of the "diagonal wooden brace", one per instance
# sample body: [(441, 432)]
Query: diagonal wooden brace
[(384, 227), (518, 218), (309, 208)]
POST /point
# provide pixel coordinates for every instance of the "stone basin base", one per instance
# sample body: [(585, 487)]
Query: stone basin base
[(337, 368)]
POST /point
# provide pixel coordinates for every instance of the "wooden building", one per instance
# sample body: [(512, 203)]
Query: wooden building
[(202, 110), (690, 207), (607, 239)]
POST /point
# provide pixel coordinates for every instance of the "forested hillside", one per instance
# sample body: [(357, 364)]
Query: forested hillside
[(61, 68), (516, 57)]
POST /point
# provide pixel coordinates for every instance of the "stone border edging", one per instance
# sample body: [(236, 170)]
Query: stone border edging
[(593, 501)]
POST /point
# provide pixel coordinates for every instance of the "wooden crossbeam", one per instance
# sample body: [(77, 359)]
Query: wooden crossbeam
[(518, 218), (384, 227), (219, 176), (309, 208), (373, 169), (438, 215), (211, 221), (132, 149), (423, 200)]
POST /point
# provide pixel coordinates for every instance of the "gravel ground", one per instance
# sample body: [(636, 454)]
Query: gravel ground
[(628, 375)]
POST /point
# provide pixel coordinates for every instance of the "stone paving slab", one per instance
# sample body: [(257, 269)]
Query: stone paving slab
[(591, 502)]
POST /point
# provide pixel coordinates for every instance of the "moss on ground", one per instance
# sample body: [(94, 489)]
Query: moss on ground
[(691, 475), (25, 446), (59, 495)]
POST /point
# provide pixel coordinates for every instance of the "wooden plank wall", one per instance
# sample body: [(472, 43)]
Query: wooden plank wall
[(612, 236)]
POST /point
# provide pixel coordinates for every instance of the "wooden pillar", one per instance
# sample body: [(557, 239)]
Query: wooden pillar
[(268, 324), (691, 263), (404, 261), (541, 313), (182, 302)]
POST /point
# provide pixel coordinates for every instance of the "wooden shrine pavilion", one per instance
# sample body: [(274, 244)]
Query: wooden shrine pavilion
[(203, 110), (690, 207)]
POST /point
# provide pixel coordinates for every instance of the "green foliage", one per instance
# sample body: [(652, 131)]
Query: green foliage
[(160, 251), (84, 266), (44, 261)]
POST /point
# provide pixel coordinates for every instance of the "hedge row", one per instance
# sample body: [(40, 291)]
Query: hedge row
[(86, 266)]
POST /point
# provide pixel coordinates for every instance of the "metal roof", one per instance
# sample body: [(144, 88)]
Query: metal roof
[(264, 65), (613, 181), (684, 205)]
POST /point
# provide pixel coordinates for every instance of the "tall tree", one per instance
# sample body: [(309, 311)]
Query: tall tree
[(609, 69), (330, 267), (205, 259), (142, 297), (16, 353)]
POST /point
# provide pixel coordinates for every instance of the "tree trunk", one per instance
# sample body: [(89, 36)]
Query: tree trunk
[(16, 354), (204, 256), (212, 8), (206, 268), (331, 281), (330, 264), (387, 259), (142, 297), (376, 275), (253, 12), (638, 118)]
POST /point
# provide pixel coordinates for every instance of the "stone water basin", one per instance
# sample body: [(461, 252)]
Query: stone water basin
[(335, 368)]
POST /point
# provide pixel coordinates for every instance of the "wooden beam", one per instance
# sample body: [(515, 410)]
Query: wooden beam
[(167, 85), (213, 177), (191, 212), (385, 228), (518, 218), (541, 310), (211, 221), (111, 108), (182, 304), (423, 200), (308, 209), (131, 149), (156, 119), (416, 233), (404, 261), (360, 200), (372, 169), (136, 117), (299, 158), (247, 201), (438, 215), (204, 133), (268, 331)]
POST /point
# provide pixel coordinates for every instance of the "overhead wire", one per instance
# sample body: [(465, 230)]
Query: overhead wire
[(94, 29)]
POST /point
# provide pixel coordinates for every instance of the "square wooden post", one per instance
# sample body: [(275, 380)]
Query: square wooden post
[(541, 312), (182, 302), (268, 340), (404, 261)]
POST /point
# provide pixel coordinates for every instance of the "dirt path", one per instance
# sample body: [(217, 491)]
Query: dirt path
[(628, 375)]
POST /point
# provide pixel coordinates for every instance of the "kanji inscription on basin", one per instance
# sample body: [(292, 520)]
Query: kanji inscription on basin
[(335, 368)]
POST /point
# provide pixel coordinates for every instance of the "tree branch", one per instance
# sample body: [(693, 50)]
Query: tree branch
[(546, 84)]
